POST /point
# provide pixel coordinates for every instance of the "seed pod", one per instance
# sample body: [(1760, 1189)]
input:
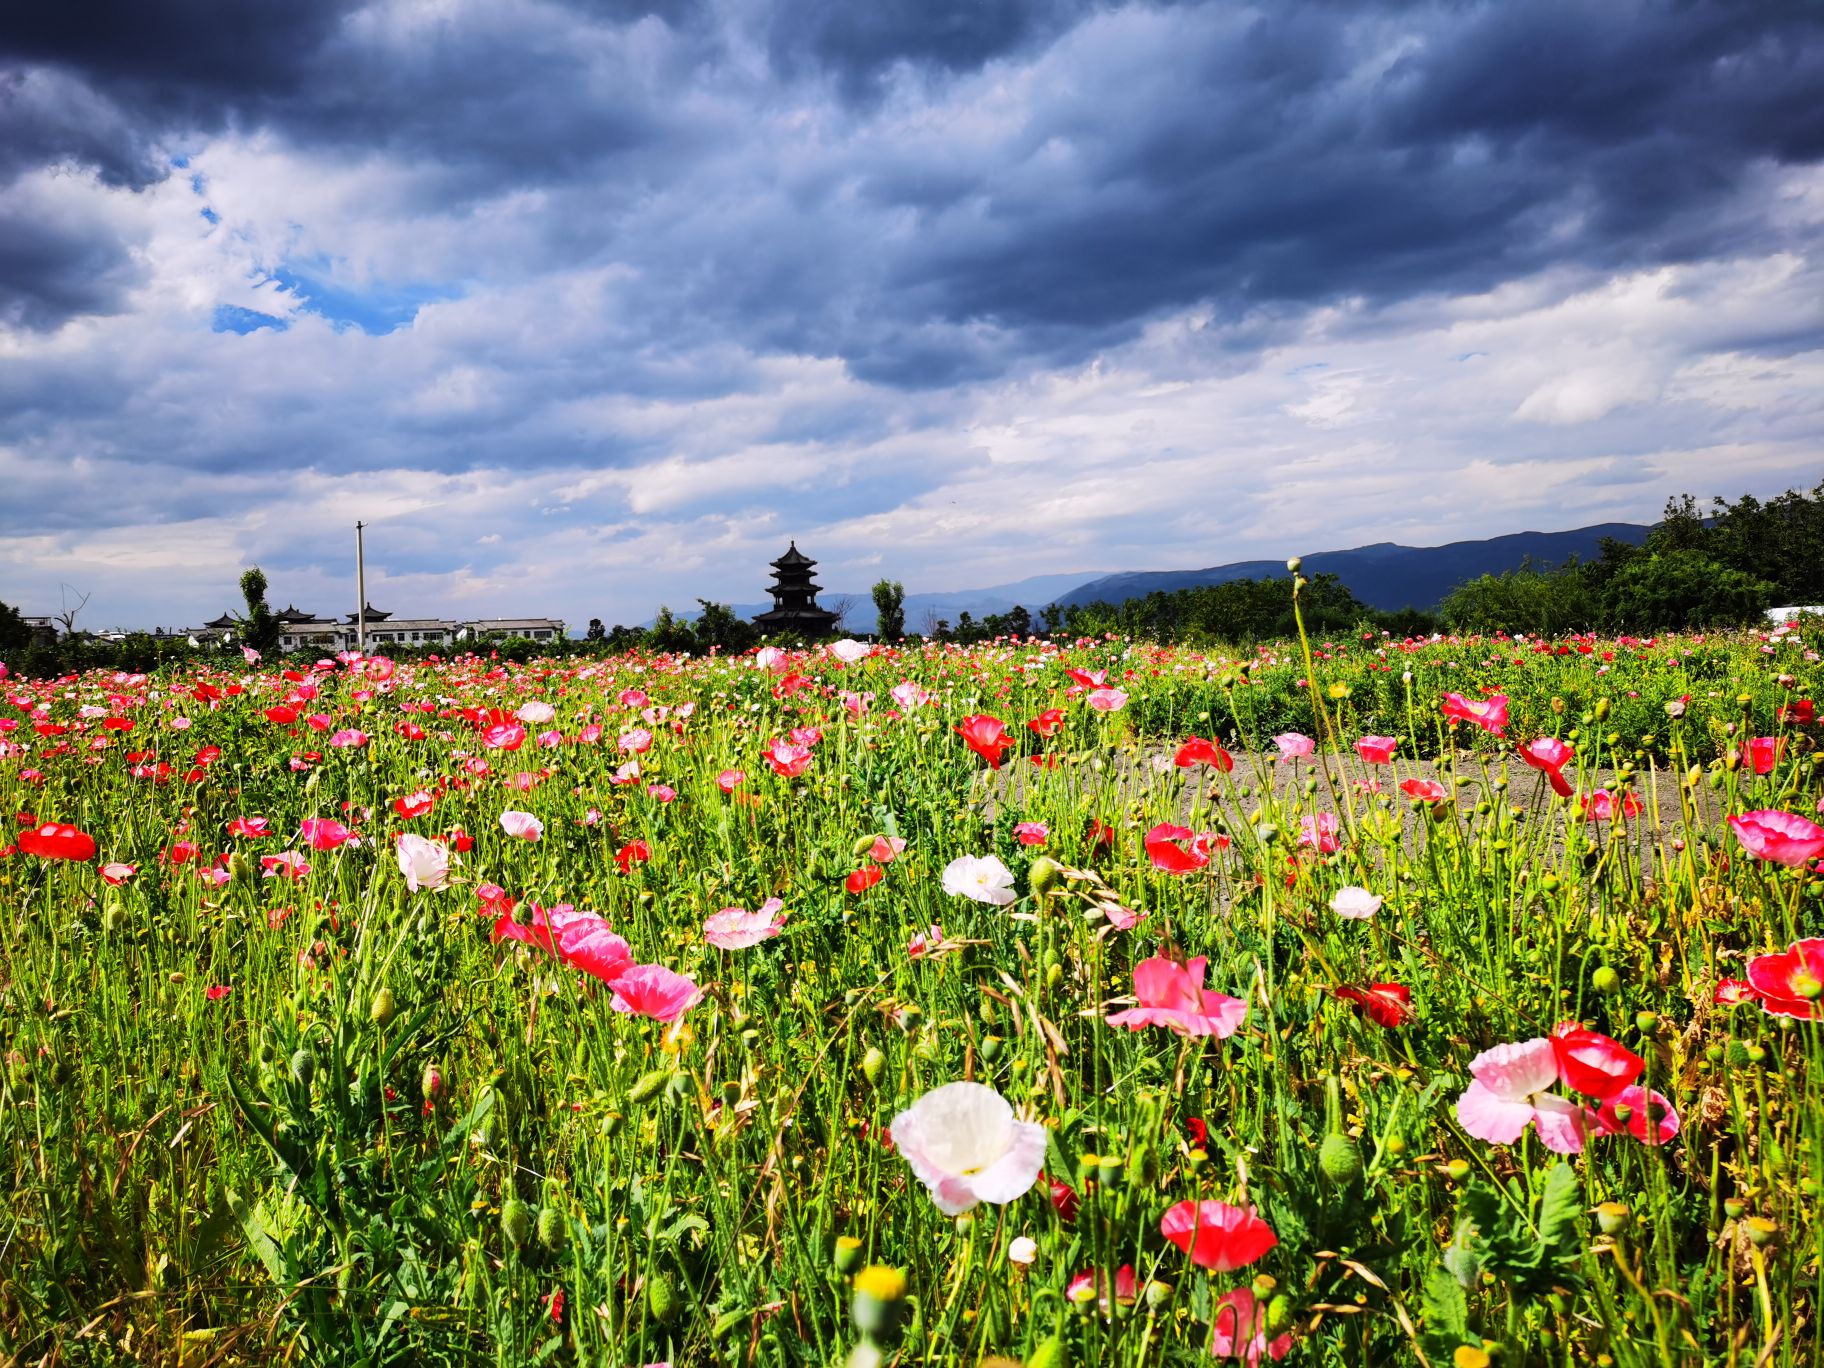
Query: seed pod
[(1045, 876), (381, 1010), (1051, 1353), (516, 1222)]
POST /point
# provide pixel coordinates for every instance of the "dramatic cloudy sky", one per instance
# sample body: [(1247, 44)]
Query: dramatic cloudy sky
[(589, 306)]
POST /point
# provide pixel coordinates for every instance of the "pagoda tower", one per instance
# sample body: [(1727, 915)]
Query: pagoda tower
[(795, 599)]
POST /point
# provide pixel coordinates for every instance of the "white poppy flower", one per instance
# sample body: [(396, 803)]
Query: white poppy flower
[(966, 1146), (425, 863), (1356, 904), (982, 878)]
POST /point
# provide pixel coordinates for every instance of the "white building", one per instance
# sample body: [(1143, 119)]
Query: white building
[(304, 631)]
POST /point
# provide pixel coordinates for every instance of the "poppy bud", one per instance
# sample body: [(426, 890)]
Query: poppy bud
[(1279, 1312), (240, 868), (662, 1299), (991, 1049), (1612, 1217), (1605, 980), (1295, 564), (551, 1229), (1045, 875), (1761, 1231), (380, 1011), (1340, 1159), (1051, 1353), (1602, 709), (115, 917), (430, 1082), (846, 1255), (303, 1066), (879, 1300), (516, 1222), (648, 1086), (871, 1065)]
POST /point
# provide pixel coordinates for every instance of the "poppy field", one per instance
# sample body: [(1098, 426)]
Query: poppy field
[(1448, 1001)]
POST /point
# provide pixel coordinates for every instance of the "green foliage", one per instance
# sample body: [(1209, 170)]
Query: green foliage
[(1530, 600), (596, 631), (1530, 1255), (1663, 590), (719, 628), (259, 628), (1237, 610), (15, 635), (890, 609)]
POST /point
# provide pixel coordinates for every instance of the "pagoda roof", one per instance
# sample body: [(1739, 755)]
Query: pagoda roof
[(289, 613), (222, 623), (793, 559), (372, 614)]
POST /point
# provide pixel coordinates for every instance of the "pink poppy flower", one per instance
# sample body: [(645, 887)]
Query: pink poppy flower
[(1089, 1286), (291, 865), (1172, 995), (1509, 1094), (1377, 750), (118, 873), (324, 833), (636, 741), (1490, 714), (735, 928), (349, 737), (661, 793), (216, 992), (1647, 1116), (1781, 837), (1107, 700), (886, 849), (507, 736), (1603, 806), (1355, 904), (1734, 992), (909, 695), (1424, 790), (522, 825), (1031, 833), (580, 939), (652, 990), (1293, 746), (965, 1145), (924, 942), (425, 863), (1239, 1330), (1119, 917), (1790, 982), (253, 828), (1319, 831), (1216, 1235), (730, 779), (788, 760), (1551, 755)]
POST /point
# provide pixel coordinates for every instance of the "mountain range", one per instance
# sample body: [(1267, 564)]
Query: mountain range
[(1383, 575)]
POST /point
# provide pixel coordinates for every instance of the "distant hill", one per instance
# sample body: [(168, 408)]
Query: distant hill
[(925, 609), (1385, 575)]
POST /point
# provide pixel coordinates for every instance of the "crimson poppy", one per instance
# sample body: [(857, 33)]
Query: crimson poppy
[(57, 841), (1385, 1004), (1216, 1235)]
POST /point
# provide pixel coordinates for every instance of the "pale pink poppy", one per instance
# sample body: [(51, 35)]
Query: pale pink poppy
[(1119, 917), (1172, 995), (424, 862), (1377, 750), (1293, 746), (290, 865), (661, 793), (349, 737), (909, 695), (1031, 833), (1319, 831), (1355, 904), (1509, 1093), (536, 714), (1107, 700), (924, 942), (849, 652), (735, 928), (730, 779), (965, 1145), (652, 990), (522, 825), (636, 741), (118, 873), (886, 849)]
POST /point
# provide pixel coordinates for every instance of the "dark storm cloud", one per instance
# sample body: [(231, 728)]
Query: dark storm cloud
[(1142, 158)]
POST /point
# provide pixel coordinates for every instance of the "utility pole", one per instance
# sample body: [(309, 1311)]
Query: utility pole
[(360, 593)]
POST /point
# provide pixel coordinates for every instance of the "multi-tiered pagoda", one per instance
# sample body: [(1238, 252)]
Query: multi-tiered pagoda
[(795, 599)]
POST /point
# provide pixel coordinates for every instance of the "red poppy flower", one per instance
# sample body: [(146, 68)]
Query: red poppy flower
[(1063, 1199), (1800, 711), (1782, 837), (1163, 848), (1788, 983), (634, 852), (1047, 722), (1385, 1004), (1762, 753), (1490, 713), (986, 736), (1197, 751), (413, 804), (1216, 1235), (1100, 835), (1424, 790), (864, 878), (1734, 992), (57, 841), (1592, 1063)]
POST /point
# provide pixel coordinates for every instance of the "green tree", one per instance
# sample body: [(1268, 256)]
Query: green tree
[(259, 628), (596, 631), (890, 608), (15, 635), (719, 626), (1672, 589)]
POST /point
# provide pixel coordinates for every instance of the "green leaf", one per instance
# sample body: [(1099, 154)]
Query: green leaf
[(1445, 1310), (258, 1240)]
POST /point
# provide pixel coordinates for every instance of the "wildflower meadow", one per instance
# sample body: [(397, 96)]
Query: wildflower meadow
[(1448, 1001)]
